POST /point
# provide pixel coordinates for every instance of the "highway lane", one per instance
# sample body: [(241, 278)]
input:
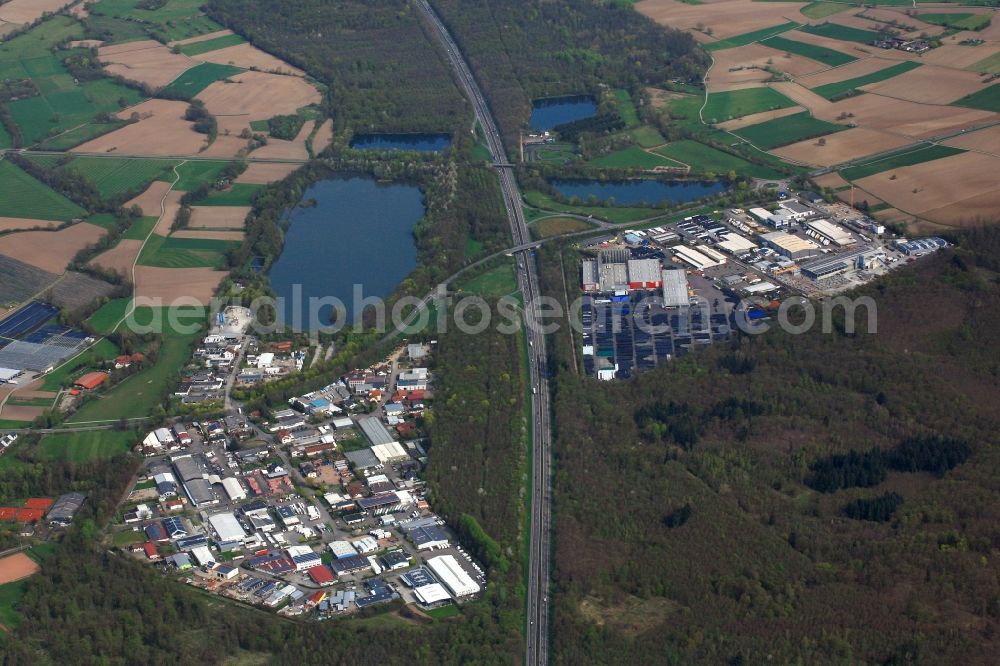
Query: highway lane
[(536, 643)]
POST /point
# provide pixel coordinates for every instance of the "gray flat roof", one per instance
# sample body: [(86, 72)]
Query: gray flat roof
[(362, 458), (375, 431)]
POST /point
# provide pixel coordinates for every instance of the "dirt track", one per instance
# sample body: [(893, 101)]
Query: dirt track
[(17, 566)]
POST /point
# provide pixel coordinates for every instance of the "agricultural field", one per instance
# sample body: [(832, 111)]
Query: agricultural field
[(750, 37), (494, 283), (196, 79), (193, 174), (706, 159), (988, 65), (897, 160), (987, 99), (176, 20), (104, 320), (24, 196), (631, 158), (790, 129), (173, 252), (958, 21), (737, 103), (115, 176), (843, 33), (813, 52), (838, 89), (140, 228), (204, 46), (821, 10), (240, 194), (626, 108), (647, 137)]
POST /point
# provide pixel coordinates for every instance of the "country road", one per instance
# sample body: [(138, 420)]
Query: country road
[(537, 634)]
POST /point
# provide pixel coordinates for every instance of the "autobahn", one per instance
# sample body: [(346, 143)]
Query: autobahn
[(537, 634)]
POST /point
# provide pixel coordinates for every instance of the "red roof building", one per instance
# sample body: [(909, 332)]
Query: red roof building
[(321, 575), (91, 380), (150, 549)]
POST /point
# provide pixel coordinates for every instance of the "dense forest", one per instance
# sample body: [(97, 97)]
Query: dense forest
[(385, 73), (686, 530), (525, 49)]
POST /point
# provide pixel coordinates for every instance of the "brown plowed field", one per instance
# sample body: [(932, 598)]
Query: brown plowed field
[(985, 140), (28, 11), (841, 147), (161, 130), (202, 38), (262, 173), (119, 258), (147, 62), (213, 234), (295, 149), (851, 70), (946, 190), (171, 205), (23, 223), (149, 201), (911, 119), (726, 19), (257, 96), (170, 284), (218, 217), (50, 250), (323, 137), (249, 56), (929, 84)]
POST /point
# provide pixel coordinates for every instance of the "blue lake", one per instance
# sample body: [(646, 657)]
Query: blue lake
[(551, 111), (421, 142), (632, 192), (359, 232)]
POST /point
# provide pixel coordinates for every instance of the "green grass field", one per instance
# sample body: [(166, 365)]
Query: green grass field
[(550, 153), (783, 131), (750, 37), (140, 228), (114, 176), (842, 32), (451, 610), (6, 141), (705, 159), (172, 252), (196, 79), (647, 136), (898, 160), (834, 90), (104, 220), (74, 137), (990, 64), (178, 19), (811, 51), (193, 174), (10, 595), (84, 446), (987, 99), (819, 10), (208, 45), (139, 394), (958, 21), (494, 283), (613, 214), (240, 194), (556, 226), (626, 108), (21, 195), (724, 106), (108, 315), (630, 158)]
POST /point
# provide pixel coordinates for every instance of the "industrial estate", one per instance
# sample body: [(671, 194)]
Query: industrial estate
[(180, 180)]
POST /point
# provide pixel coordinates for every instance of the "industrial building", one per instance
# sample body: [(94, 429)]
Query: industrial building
[(62, 512), (675, 288), (735, 244), (831, 232), (375, 431), (226, 527), (830, 266), (453, 576), (644, 274), (234, 489), (793, 247), (696, 258), (921, 246), (589, 279)]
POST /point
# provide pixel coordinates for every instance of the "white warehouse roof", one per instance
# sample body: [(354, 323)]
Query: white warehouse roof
[(431, 594), (832, 232), (448, 570), (233, 488), (675, 291), (735, 243), (390, 451), (227, 527), (694, 258)]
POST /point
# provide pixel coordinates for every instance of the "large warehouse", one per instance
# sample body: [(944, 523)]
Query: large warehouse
[(793, 247), (831, 232), (695, 258), (644, 274), (227, 527), (449, 571), (675, 289)]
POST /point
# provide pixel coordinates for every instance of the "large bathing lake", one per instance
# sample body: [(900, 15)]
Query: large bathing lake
[(346, 231), (549, 112), (634, 192)]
